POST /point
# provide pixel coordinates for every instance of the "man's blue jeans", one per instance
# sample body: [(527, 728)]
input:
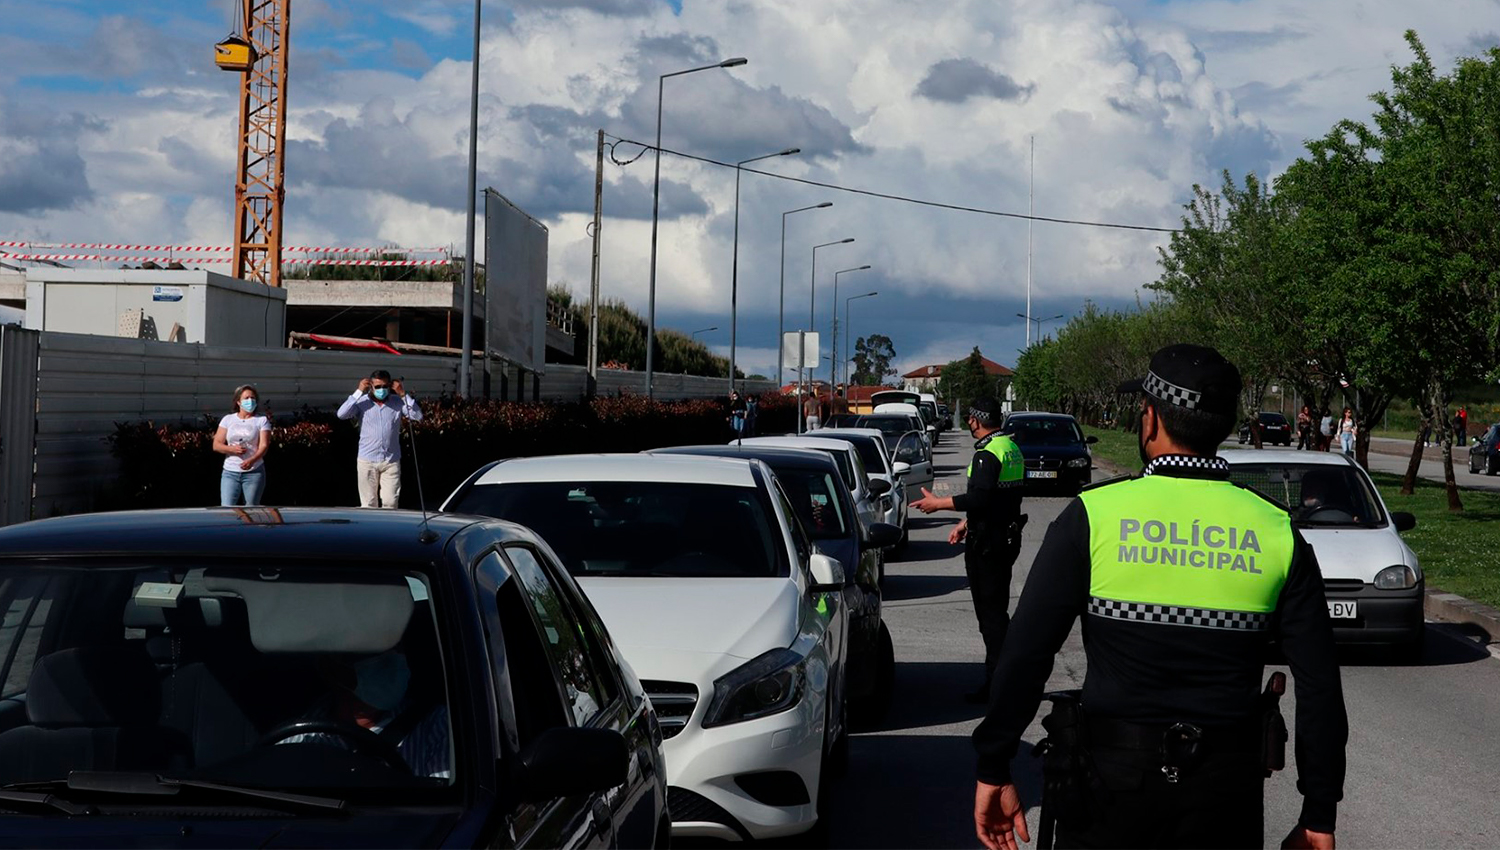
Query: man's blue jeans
[(242, 488)]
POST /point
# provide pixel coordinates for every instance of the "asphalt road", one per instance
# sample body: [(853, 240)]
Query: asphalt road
[(1424, 746)]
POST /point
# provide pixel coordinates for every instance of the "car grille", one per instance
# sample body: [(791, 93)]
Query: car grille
[(1043, 463), (686, 806), (674, 703), (1342, 585)]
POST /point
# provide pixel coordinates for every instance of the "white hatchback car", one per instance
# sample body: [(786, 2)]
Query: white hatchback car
[(1371, 577), (870, 444), (722, 606)]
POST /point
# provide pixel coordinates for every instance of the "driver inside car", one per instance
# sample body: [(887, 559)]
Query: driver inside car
[(375, 693), (1324, 490)]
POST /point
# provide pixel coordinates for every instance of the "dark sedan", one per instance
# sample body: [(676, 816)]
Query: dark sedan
[(1056, 452), (1484, 454), (1274, 429), (810, 479), (316, 678)]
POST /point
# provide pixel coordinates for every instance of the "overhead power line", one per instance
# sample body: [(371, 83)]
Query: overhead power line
[(870, 193)]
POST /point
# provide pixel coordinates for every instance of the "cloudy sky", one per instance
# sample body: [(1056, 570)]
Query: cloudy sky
[(115, 126)]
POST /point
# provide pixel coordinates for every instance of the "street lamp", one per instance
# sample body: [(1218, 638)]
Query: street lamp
[(848, 335), (655, 207), (833, 374), (734, 276), (694, 334), (466, 357), (1038, 325), (781, 304), (812, 305)]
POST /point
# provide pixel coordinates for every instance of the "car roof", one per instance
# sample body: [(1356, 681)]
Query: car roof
[(800, 442), (897, 407), (1291, 457), (336, 534), (1037, 414), (845, 433), (665, 469), (773, 456)]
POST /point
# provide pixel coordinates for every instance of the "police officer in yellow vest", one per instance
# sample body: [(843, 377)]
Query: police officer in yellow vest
[(991, 529), (1182, 579)]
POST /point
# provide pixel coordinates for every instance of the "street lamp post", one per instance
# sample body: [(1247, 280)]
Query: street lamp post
[(466, 357), (655, 208), (734, 275), (833, 372), (848, 335), (781, 304), (1038, 323), (694, 334), (812, 303)]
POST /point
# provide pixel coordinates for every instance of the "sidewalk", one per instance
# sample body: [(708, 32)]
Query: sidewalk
[(1392, 456)]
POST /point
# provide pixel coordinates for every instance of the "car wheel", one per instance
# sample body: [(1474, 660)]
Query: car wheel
[(873, 708)]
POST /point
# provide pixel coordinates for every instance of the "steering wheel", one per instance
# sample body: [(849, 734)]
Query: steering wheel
[(362, 741), (1325, 513)]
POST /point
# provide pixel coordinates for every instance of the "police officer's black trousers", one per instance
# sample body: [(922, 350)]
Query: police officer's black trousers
[(988, 559), (1219, 803)]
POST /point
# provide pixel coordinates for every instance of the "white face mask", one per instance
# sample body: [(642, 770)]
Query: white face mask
[(247, 404)]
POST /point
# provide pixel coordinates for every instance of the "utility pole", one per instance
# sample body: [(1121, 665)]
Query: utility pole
[(1031, 213), (466, 358), (593, 383)]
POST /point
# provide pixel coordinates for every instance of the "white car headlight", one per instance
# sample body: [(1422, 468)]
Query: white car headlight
[(1399, 577), (1079, 462), (767, 684)]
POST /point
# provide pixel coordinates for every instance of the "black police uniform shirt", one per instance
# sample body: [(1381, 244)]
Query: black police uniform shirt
[(1158, 673), (989, 505)]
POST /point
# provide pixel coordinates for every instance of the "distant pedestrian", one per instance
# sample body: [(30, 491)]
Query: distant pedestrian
[(752, 415), (737, 413), (243, 437), (1304, 428), (1325, 431), (1461, 425), (838, 404), (378, 416), (1348, 429), (812, 409)]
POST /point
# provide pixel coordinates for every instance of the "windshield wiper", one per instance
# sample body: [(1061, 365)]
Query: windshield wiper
[(19, 799), (150, 784)]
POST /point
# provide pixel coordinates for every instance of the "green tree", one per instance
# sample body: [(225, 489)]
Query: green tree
[(872, 360), (964, 380), (1036, 383)]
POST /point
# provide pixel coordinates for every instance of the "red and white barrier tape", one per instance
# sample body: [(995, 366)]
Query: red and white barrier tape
[(203, 260), (301, 249)]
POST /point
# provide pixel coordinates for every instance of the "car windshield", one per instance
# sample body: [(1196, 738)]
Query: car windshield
[(1315, 494), (642, 528), (814, 496), (280, 676), (869, 450), (1044, 431), (891, 426)]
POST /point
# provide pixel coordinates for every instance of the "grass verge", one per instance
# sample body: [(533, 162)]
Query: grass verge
[(1459, 552)]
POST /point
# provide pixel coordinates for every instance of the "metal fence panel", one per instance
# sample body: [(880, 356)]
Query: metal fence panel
[(18, 358)]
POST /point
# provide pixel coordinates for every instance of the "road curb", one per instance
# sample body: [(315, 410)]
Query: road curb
[(1448, 607)]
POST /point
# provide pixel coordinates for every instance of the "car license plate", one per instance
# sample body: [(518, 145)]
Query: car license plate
[(1041, 473), (1343, 610)]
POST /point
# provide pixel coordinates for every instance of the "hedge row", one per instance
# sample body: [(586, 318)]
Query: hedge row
[(311, 460)]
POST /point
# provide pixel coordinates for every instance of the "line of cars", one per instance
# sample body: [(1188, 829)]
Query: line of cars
[(579, 651)]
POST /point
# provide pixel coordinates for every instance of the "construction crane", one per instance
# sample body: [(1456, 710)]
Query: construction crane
[(258, 52)]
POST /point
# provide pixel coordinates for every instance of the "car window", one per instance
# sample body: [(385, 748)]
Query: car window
[(233, 650), (561, 636), (815, 502), (1317, 495), (909, 450), (1272, 419), (26, 602), (642, 528), (1044, 431)]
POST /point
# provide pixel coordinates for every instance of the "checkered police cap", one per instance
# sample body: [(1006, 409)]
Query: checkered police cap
[(1192, 377)]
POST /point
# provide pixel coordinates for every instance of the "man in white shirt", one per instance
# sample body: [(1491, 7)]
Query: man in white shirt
[(379, 418)]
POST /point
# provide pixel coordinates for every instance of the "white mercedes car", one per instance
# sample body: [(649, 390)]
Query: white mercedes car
[(723, 607), (1371, 577)]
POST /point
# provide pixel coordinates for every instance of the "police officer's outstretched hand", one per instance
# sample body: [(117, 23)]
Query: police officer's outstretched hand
[(998, 816), (1302, 838)]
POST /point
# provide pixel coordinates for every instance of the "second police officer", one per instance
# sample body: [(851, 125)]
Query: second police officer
[(991, 528), (1182, 579)]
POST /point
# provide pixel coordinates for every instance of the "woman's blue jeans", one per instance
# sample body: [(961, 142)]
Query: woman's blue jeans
[(242, 488)]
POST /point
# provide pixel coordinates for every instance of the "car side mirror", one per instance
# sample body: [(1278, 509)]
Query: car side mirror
[(900, 468), (879, 486), (1403, 521), (1091, 439), (883, 535), (827, 574), (566, 762)]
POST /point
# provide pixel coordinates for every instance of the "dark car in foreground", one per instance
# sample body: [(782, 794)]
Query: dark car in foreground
[(1484, 454), (1056, 452), (315, 678), (1274, 429)]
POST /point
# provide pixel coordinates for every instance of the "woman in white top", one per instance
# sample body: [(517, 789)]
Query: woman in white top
[(244, 436), (1347, 430)]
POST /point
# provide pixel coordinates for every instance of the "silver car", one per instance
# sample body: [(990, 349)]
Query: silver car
[(870, 443)]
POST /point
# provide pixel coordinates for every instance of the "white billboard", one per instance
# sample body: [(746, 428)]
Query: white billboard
[(515, 283)]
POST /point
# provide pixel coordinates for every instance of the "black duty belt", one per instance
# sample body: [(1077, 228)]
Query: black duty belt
[(1109, 733)]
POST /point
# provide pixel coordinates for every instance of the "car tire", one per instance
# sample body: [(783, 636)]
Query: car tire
[(868, 712)]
